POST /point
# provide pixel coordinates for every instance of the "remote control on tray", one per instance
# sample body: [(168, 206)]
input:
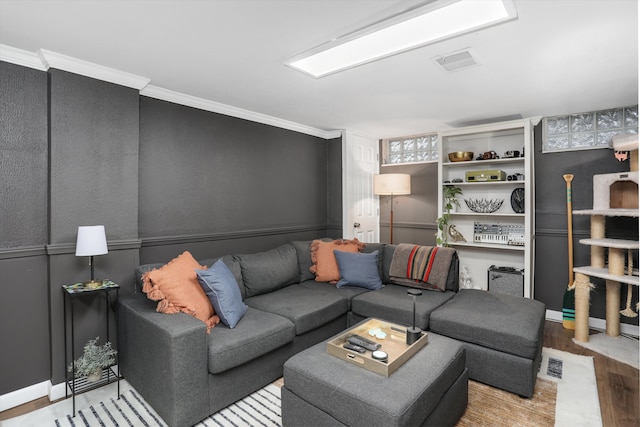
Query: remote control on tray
[(354, 347), (364, 342)]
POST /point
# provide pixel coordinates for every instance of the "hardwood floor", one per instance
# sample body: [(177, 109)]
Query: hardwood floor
[(618, 383)]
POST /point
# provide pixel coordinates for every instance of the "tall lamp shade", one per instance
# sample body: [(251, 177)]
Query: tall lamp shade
[(91, 241), (391, 184)]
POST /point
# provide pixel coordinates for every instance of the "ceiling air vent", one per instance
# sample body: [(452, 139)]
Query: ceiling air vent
[(456, 61)]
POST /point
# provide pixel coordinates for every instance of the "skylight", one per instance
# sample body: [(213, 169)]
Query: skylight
[(428, 24)]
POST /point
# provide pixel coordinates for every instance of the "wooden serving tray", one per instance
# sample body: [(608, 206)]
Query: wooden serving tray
[(394, 345)]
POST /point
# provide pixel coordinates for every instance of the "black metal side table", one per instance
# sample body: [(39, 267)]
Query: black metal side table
[(80, 385)]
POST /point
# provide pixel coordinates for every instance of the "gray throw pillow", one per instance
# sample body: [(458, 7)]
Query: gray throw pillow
[(358, 269), (223, 292)]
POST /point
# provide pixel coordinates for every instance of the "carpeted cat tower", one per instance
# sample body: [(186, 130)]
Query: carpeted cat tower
[(614, 195)]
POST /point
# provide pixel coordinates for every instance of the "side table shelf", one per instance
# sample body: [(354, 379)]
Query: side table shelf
[(111, 374)]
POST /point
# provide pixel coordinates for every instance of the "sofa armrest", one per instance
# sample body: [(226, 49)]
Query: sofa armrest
[(164, 357)]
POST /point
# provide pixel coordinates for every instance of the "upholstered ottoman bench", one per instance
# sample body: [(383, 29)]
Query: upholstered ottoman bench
[(428, 389), (503, 336)]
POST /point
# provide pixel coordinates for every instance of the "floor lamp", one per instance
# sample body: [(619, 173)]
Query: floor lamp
[(391, 184)]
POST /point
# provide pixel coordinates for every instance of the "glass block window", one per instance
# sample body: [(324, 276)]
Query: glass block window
[(587, 130), (413, 149)]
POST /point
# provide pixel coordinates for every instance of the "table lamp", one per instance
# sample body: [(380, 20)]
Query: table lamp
[(413, 333), (92, 240), (391, 184)]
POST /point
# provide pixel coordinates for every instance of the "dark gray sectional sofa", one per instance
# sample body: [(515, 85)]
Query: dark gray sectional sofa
[(187, 374)]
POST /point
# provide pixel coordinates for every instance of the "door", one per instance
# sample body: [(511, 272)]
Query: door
[(360, 214)]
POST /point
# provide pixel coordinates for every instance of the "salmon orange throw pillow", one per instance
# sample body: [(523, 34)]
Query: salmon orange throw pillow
[(324, 262), (175, 285)]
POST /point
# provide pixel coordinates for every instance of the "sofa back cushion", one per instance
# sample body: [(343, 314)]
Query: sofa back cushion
[(303, 250), (270, 270)]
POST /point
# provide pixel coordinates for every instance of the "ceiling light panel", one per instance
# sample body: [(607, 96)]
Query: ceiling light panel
[(434, 22)]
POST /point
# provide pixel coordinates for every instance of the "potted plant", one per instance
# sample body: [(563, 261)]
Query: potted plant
[(94, 358), (450, 193)]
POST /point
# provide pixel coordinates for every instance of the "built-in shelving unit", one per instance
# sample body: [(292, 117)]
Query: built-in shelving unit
[(476, 257)]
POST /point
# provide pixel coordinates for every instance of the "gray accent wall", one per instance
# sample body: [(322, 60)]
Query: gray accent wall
[(551, 251), (162, 178), (24, 293)]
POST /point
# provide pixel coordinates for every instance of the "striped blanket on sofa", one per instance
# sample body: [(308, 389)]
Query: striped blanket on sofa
[(425, 267)]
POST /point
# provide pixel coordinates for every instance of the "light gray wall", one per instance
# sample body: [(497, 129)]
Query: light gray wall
[(414, 215)]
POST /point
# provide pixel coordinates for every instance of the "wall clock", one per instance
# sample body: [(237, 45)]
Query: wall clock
[(517, 200)]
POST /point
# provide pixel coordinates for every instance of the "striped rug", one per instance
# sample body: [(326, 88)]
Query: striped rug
[(261, 408)]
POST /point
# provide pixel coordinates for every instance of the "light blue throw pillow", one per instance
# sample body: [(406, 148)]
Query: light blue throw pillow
[(223, 292), (358, 269)]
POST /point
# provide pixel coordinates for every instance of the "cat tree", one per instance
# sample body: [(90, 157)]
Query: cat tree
[(614, 195)]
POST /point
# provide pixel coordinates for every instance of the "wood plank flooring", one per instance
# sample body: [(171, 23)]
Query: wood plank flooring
[(618, 383)]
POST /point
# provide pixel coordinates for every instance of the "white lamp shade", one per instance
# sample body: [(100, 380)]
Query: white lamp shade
[(92, 240), (392, 183)]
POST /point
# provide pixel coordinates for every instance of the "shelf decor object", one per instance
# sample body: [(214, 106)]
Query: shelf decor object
[(391, 184), (484, 205), (502, 171), (91, 241)]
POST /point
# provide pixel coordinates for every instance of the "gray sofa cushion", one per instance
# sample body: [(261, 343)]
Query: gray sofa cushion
[(501, 322), (347, 292), (270, 270), (256, 334), (306, 308), (393, 304), (380, 247)]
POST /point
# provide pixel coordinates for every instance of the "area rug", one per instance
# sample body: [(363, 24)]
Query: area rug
[(261, 408), (622, 349), (565, 395)]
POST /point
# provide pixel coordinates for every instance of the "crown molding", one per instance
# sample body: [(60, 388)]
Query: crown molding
[(89, 69), (21, 57), (45, 59), (216, 107)]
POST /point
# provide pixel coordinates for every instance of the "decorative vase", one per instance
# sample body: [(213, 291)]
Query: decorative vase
[(95, 376)]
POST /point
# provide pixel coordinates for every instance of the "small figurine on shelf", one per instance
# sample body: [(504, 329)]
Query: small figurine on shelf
[(93, 360)]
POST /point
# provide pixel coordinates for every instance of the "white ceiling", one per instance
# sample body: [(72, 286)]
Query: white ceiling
[(558, 57)]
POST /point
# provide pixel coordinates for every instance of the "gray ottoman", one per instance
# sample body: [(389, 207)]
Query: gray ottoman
[(429, 389), (503, 336)]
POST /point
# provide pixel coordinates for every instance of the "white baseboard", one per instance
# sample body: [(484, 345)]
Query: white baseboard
[(24, 395), (596, 323), (56, 391)]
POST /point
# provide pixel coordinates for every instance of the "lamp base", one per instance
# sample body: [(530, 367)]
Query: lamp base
[(93, 284), (413, 335)]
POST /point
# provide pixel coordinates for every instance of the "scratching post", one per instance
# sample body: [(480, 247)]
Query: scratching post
[(628, 312), (583, 287), (616, 267), (597, 232)]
